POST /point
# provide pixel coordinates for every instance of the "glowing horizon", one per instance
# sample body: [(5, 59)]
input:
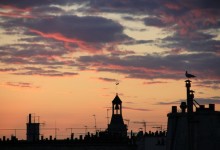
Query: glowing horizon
[(61, 60)]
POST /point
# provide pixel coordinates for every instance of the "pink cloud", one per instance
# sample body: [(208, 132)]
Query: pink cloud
[(79, 43), (188, 19), (14, 12), (173, 6), (15, 8)]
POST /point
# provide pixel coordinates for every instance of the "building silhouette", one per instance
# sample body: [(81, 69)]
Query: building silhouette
[(190, 129), (117, 126), (33, 129), (114, 137)]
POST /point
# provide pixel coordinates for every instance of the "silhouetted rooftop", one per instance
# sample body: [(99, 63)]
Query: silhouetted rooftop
[(117, 100)]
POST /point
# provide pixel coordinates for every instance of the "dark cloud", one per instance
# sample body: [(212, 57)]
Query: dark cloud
[(107, 79), (8, 69), (216, 97), (193, 24), (36, 3), (87, 33), (201, 101), (128, 6), (205, 4), (14, 60), (138, 109), (35, 50), (214, 84), (156, 66), (187, 19), (32, 61), (21, 84), (36, 53), (130, 18), (199, 42), (168, 103), (154, 7), (117, 53), (153, 21), (45, 9), (44, 72), (135, 42), (87, 29)]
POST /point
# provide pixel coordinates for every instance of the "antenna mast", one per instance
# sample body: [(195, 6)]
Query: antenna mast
[(95, 121)]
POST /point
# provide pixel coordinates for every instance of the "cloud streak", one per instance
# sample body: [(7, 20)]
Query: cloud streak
[(50, 34), (107, 79), (156, 66), (201, 101), (136, 109), (21, 84), (43, 72)]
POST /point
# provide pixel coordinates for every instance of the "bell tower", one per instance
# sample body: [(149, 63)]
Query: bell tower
[(116, 106), (117, 126)]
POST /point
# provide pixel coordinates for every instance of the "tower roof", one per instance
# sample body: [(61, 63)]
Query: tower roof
[(117, 100)]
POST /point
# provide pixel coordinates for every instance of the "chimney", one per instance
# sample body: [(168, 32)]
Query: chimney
[(212, 107), (174, 109), (202, 107), (183, 107), (29, 118)]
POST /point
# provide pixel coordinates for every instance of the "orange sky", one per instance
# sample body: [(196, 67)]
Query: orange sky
[(72, 102)]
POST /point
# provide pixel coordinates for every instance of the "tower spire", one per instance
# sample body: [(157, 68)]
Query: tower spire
[(117, 126)]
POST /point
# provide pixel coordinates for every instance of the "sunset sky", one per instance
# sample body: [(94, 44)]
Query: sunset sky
[(60, 60)]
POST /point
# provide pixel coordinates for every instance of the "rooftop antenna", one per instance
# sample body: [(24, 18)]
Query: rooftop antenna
[(95, 121), (143, 123), (55, 129), (15, 130), (86, 129)]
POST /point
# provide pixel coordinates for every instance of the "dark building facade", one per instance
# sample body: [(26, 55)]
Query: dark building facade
[(117, 126), (33, 129), (193, 129)]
